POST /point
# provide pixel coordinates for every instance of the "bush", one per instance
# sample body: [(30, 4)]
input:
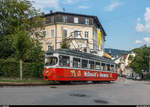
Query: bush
[(147, 76), (10, 68)]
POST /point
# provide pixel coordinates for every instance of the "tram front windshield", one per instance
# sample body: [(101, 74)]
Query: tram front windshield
[(51, 61)]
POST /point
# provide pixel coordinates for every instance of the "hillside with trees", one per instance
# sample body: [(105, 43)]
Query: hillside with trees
[(115, 52), (140, 63)]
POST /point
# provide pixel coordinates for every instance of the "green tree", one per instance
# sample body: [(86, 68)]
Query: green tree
[(19, 21), (22, 44), (65, 45), (141, 60)]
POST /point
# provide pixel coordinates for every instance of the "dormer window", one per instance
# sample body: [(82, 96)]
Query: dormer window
[(64, 18), (86, 21), (76, 20)]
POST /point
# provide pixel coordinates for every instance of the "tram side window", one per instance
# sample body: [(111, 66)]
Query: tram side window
[(112, 68), (64, 61), (108, 67), (91, 63), (103, 66), (98, 65), (84, 63), (50, 61), (76, 62)]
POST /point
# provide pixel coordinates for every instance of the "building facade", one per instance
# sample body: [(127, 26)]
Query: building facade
[(123, 62), (84, 32)]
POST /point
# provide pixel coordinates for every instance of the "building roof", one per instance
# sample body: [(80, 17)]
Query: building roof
[(107, 55), (76, 14)]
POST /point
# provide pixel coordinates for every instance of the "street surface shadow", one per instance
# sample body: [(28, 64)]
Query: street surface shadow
[(53, 87), (101, 101), (79, 95), (82, 83), (147, 83)]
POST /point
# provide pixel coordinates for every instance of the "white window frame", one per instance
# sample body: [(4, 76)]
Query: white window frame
[(66, 30), (64, 18), (80, 45), (76, 20), (77, 33), (43, 33), (51, 33), (86, 21), (86, 35)]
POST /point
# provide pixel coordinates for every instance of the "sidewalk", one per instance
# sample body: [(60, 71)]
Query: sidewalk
[(23, 83)]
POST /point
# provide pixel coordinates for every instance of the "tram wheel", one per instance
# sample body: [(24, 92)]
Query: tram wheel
[(64, 82), (108, 81), (95, 82)]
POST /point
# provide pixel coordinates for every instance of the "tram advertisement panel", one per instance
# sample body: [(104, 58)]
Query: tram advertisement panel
[(69, 74)]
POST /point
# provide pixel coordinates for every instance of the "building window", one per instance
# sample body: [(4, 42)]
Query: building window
[(86, 21), (76, 33), (79, 45), (49, 47), (52, 32), (43, 33), (52, 19), (64, 33), (64, 18), (86, 34), (76, 20)]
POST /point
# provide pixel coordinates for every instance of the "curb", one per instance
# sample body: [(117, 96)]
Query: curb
[(22, 84)]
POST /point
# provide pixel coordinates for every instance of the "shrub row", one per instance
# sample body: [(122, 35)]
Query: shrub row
[(10, 68), (146, 76)]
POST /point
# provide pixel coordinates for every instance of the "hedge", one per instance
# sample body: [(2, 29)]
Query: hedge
[(10, 68), (147, 76)]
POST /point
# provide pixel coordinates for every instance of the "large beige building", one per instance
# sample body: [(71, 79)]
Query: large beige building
[(80, 30)]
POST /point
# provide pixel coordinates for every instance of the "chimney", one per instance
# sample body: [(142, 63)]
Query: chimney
[(51, 11), (64, 10)]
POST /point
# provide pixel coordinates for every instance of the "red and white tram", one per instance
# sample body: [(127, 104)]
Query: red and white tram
[(68, 65)]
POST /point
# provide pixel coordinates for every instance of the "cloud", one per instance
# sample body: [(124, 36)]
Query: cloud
[(140, 27), (138, 42), (112, 6), (83, 7), (147, 40), (44, 5), (146, 26), (70, 1)]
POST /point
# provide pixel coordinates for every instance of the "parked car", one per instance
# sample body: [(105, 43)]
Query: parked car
[(138, 78), (129, 77)]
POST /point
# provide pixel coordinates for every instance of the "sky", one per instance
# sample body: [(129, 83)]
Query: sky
[(126, 22)]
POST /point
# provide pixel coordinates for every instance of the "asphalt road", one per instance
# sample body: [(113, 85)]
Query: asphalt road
[(121, 92)]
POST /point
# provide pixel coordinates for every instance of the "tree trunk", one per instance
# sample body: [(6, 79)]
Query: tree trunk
[(20, 69)]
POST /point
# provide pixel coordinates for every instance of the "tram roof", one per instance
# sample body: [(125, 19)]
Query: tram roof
[(80, 54)]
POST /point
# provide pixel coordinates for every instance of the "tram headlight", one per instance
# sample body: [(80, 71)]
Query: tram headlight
[(47, 72)]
